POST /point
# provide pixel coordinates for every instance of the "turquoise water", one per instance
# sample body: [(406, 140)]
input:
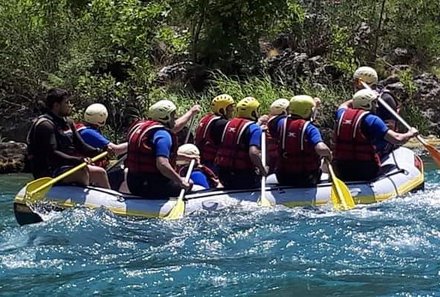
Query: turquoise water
[(386, 249)]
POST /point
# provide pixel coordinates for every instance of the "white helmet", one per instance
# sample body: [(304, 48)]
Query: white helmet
[(96, 114), (367, 74), (364, 99), (279, 106), (188, 150), (161, 111)]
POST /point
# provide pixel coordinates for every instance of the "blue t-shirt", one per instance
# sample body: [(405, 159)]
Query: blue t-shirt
[(199, 178), (162, 143), (255, 135), (373, 127), (313, 135), (93, 137)]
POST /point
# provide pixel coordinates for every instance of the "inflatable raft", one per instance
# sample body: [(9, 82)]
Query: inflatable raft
[(402, 172)]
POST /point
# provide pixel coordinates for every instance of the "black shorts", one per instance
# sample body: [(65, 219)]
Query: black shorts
[(246, 179), (303, 180), (356, 170), (152, 186)]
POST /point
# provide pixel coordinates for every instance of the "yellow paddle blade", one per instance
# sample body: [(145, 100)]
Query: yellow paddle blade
[(32, 195), (177, 211), (341, 196), (435, 154)]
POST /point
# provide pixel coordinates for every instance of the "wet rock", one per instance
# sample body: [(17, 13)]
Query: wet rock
[(12, 157)]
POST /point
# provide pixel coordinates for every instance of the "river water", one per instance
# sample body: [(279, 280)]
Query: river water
[(386, 249)]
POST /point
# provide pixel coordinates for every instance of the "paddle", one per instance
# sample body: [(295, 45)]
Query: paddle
[(434, 153), (179, 209), (340, 194), (36, 190), (263, 201)]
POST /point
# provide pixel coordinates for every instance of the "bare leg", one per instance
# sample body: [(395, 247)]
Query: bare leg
[(81, 177), (123, 188), (98, 176)]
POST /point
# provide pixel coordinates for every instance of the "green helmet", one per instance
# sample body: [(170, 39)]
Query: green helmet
[(302, 105)]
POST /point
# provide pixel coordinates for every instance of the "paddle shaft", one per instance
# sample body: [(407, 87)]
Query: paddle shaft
[(395, 114), (263, 161), (187, 178), (191, 124), (67, 173)]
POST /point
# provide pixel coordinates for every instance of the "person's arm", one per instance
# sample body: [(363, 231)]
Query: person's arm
[(346, 104), (255, 155), (323, 150), (165, 168), (314, 137), (183, 120), (400, 138), (80, 145), (118, 149), (255, 132), (162, 143), (45, 134)]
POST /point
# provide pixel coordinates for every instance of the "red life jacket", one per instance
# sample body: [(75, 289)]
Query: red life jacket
[(80, 126), (203, 139), (350, 143), (272, 143), (233, 152), (297, 154), (141, 156)]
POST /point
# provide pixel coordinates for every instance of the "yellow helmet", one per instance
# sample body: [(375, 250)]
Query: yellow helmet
[(219, 103), (248, 108), (96, 114), (367, 74), (279, 106), (364, 99), (302, 105), (161, 111)]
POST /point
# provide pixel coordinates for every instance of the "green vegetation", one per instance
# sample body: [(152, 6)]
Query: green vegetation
[(110, 51)]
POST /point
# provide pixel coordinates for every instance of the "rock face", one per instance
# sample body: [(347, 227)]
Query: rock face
[(291, 66), (12, 157), (427, 96)]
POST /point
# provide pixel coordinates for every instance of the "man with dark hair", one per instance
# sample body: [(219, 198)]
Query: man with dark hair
[(54, 145)]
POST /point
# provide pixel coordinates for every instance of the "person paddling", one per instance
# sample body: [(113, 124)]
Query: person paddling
[(278, 109), (358, 135), (239, 152), (202, 177), (367, 75), (210, 129), (54, 144), (300, 145), (152, 152), (95, 117)]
